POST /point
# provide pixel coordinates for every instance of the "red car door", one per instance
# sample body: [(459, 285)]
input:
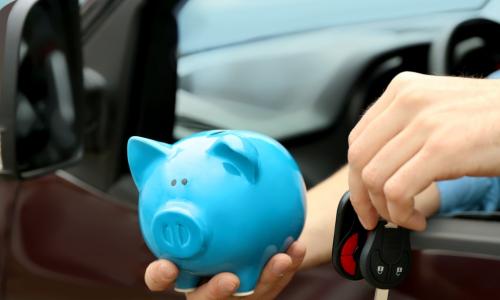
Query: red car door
[(69, 241)]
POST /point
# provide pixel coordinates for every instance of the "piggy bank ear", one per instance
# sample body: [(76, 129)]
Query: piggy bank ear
[(239, 153), (142, 153)]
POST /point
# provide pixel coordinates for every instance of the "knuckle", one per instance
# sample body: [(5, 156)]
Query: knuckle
[(394, 191), (434, 146), (350, 138), (405, 77), (399, 81), (407, 90), (354, 155), (409, 97), (371, 178), (427, 122), (400, 218)]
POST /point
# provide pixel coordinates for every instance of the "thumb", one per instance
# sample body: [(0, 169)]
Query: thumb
[(221, 286), (160, 275)]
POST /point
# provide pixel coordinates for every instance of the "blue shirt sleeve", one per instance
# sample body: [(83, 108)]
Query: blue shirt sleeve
[(469, 194)]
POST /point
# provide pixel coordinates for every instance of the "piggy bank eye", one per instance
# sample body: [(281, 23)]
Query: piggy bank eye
[(184, 181), (173, 182)]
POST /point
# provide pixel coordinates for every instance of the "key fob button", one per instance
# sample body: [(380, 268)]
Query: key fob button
[(400, 269), (348, 240), (378, 267), (348, 264), (347, 260), (350, 245)]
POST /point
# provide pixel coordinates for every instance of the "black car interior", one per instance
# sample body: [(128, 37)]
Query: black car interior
[(46, 106), (40, 88)]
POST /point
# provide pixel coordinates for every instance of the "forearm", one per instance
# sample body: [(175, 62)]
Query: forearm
[(322, 202)]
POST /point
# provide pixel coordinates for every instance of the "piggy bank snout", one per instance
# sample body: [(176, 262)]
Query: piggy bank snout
[(178, 234)]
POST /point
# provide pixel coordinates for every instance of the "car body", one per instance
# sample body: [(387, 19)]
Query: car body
[(301, 71)]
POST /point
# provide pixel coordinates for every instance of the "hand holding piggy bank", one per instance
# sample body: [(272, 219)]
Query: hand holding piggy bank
[(217, 201)]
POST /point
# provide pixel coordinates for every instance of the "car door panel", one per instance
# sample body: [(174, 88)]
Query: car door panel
[(65, 233), (434, 275), (8, 189)]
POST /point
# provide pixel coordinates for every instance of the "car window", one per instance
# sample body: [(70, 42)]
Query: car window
[(205, 24)]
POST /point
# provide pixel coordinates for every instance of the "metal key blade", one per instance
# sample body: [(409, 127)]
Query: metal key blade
[(391, 225), (381, 294)]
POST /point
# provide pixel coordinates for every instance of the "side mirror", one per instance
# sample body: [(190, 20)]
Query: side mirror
[(40, 86)]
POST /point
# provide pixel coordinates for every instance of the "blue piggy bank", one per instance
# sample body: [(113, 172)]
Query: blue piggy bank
[(217, 201)]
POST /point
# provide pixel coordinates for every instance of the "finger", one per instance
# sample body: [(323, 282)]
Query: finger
[(411, 179), (270, 288), (413, 220), (427, 202), (160, 275), (276, 268), (379, 203), (371, 113), (387, 161), (297, 252), (221, 286), (398, 83), (360, 201), (297, 256), (381, 130), (362, 183), (281, 264)]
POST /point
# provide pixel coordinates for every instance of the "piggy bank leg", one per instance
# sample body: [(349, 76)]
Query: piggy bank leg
[(186, 282), (248, 281)]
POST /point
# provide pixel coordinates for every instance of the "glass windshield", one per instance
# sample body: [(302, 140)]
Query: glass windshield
[(205, 24)]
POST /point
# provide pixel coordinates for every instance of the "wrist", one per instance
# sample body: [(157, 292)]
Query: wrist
[(322, 203), (318, 240)]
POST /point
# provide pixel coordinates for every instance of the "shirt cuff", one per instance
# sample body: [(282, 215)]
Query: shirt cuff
[(469, 194)]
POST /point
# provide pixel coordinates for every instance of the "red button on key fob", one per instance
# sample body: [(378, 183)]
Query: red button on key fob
[(348, 240), (350, 245)]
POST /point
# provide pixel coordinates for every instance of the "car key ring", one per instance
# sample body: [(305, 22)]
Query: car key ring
[(381, 256)]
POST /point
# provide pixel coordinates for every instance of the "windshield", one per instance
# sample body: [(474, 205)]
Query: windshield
[(205, 24)]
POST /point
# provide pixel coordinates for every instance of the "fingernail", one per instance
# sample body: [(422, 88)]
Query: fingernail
[(227, 286), (279, 268), (167, 272), (363, 223)]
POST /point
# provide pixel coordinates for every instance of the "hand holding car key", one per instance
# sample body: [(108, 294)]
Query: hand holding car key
[(381, 256)]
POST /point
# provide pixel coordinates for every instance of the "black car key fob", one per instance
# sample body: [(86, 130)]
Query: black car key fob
[(385, 258), (349, 238)]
